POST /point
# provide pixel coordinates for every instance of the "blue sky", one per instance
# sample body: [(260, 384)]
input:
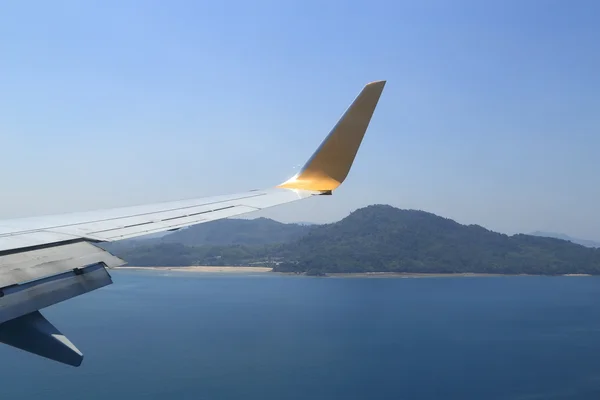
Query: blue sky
[(491, 114)]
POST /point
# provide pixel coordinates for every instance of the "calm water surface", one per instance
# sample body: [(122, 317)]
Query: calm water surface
[(157, 335)]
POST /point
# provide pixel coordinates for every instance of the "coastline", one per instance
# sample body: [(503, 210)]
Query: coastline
[(411, 275), (202, 268), (242, 270)]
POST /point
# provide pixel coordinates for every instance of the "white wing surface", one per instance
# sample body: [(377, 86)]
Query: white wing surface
[(45, 260), (127, 222)]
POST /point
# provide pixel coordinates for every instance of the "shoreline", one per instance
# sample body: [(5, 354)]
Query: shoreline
[(202, 268), (241, 270), (430, 275), (412, 275)]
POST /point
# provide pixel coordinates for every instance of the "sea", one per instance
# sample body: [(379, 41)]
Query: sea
[(264, 336)]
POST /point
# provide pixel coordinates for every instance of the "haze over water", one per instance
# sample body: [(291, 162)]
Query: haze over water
[(265, 336)]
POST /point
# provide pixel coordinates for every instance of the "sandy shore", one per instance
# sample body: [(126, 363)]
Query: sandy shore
[(204, 269)]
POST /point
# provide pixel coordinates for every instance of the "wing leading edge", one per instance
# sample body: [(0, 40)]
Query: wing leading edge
[(45, 260)]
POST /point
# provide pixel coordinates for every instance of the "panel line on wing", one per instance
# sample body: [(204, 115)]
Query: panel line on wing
[(15, 233), (198, 213), (179, 223), (162, 220)]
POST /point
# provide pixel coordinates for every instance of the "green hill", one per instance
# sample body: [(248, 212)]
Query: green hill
[(384, 238), (377, 238)]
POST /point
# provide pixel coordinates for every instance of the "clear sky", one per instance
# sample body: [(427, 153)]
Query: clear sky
[(491, 114)]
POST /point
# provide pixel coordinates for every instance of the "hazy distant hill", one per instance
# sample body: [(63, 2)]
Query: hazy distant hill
[(374, 238), (221, 232), (202, 244), (583, 242), (257, 231)]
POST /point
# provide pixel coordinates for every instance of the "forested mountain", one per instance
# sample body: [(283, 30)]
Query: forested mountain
[(381, 238)]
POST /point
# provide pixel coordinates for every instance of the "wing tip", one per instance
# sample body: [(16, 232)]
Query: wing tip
[(329, 165)]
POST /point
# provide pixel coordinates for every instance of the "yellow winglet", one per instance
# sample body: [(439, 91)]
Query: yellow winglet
[(327, 168)]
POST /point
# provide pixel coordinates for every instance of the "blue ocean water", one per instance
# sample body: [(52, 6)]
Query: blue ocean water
[(178, 335)]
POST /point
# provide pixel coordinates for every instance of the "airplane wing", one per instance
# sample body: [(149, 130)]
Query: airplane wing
[(46, 260)]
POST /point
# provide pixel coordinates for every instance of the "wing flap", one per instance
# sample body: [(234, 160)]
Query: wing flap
[(27, 266)]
